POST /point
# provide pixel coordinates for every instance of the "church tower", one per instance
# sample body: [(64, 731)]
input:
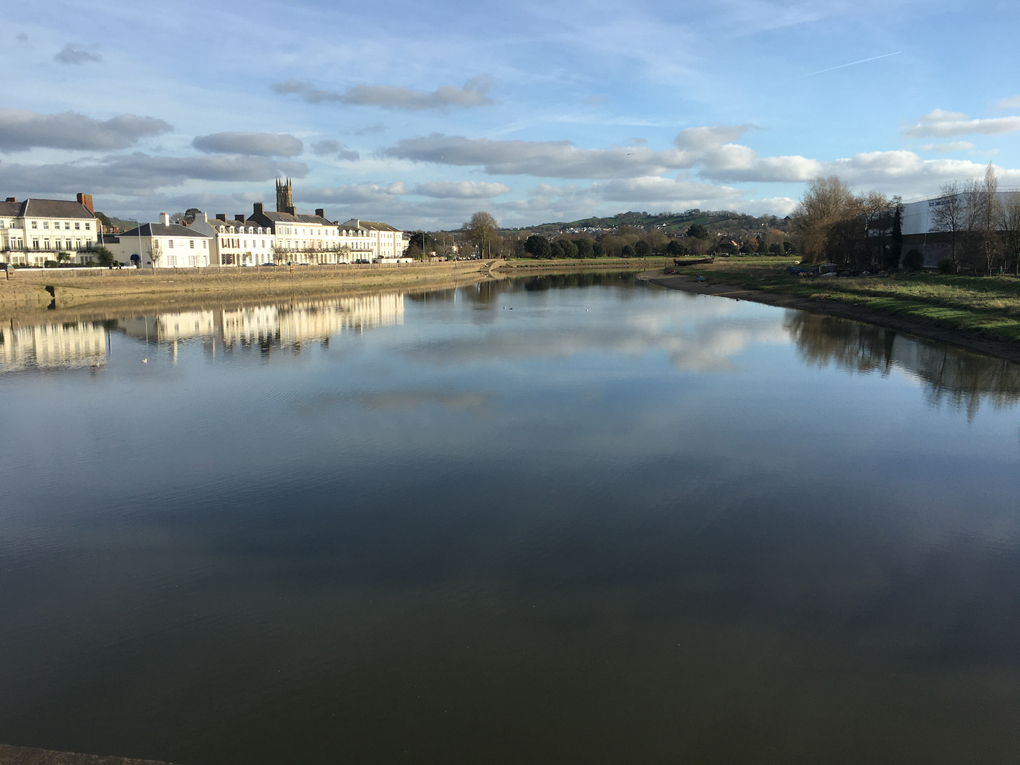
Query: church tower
[(284, 196)]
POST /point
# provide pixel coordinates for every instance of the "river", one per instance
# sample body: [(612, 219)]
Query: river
[(559, 520)]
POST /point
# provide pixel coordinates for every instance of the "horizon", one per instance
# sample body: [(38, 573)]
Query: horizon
[(572, 114)]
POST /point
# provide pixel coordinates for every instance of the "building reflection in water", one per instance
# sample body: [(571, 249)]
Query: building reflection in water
[(67, 345), (952, 376), (71, 345)]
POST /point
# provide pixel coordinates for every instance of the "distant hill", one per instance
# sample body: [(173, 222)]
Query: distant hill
[(717, 222)]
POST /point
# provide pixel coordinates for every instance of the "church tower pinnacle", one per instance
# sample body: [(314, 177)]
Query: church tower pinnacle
[(284, 196)]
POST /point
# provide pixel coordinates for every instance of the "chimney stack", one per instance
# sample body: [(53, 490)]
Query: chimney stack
[(11, 199), (86, 201), (258, 208), (164, 218), (222, 217), (321, 212), (239, 218)]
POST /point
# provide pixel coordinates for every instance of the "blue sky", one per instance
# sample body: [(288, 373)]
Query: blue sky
[(421, 114)]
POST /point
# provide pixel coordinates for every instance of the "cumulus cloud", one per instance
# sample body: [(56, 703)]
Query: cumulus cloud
[(337, 149), (709, 137), (948, 147), (1013, 102), (250, 144), (939, 123), (21, 129), (549, 159), (354, 193), (142, 173), (461, 189), (472, 93), (650, 189), (73, 54)]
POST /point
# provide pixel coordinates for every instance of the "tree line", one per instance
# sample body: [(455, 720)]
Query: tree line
[(481, 233), (972, 228)]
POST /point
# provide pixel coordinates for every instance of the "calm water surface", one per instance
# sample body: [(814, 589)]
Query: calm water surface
[(528, 522)]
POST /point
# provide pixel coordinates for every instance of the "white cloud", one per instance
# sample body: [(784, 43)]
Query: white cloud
[(547, 159), (709, 137), (21, 129), (1013, 102), (330, 146), (472, 93), (251, 144), (461, 189), (74, 54), (939, 123), (355, 193), (948, 147), (140, 173)]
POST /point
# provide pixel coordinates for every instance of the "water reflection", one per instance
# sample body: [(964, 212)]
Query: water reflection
[(961, 379), (71, 345), (65, 345)]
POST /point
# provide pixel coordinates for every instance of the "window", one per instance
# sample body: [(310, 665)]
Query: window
[(67, 226), (88, 226), (191, 245), (35, 244), (77, 227), (204, 244), (192, 260), (171, 244), (171, 260), (35, 224), (45, 224), (46, 244), (246, 244)]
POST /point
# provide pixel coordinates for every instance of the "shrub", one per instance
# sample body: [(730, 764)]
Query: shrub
[(914, 261), (947, 266)]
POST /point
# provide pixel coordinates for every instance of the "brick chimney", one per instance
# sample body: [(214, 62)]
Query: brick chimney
[(257, 207), (239, 218), (11, 199), (86, 201), (321, 212), (222, 217)]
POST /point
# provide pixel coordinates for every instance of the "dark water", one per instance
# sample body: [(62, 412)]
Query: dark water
[(542, 521)]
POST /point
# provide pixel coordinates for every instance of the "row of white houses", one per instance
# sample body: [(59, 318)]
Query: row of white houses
[(35, 231), (264, 237)]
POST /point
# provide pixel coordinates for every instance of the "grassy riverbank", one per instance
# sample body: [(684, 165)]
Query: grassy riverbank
[(988, 306)]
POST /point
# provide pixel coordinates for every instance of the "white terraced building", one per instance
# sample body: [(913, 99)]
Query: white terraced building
[(387, 243), (163, 245), (299, 238), (36, 230), (237, 242)]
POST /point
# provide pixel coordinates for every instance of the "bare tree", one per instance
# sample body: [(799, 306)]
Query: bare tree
[(987, 217), (1009, 225), (949, 214), (826, 201), (481, 231)]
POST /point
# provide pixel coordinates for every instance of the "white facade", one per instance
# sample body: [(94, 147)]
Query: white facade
[(36, 230), (384, 242), (163, 245)]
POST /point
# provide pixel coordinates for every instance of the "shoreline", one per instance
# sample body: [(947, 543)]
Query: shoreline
[(960, 338)]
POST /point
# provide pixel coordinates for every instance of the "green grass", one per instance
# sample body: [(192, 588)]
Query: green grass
[(989, 305)]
